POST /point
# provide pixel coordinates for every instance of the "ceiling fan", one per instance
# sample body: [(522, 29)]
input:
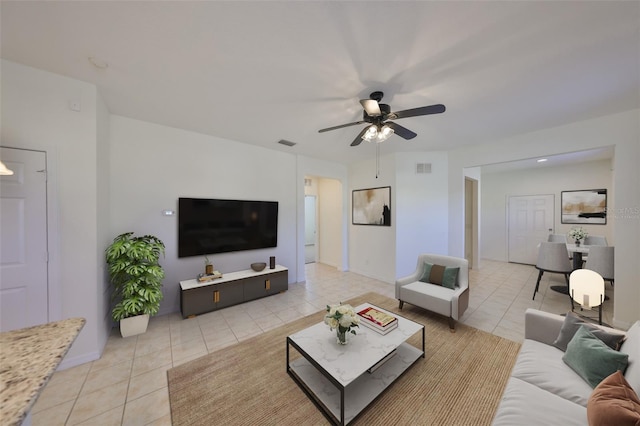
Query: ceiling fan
[(378, 114)]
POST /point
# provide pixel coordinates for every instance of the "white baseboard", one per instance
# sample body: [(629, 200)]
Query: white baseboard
[(78, 360)]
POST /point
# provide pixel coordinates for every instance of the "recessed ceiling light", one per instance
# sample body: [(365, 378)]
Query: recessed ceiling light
[(542, 160), (98, 63)]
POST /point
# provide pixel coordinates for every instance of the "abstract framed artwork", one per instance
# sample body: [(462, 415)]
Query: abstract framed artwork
[(587, 207), (371, 206)]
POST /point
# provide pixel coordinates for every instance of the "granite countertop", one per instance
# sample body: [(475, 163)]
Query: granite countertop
[(28, 359)]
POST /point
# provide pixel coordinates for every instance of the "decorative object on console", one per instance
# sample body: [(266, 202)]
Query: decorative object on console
[(208, 266), (343, 319), (585, 207), (136, 279), (258, 266), (578, 234), (203, 278), (272, 262)]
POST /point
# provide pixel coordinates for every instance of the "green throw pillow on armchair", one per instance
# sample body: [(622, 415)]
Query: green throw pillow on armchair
[(426, 272), (440, 275)]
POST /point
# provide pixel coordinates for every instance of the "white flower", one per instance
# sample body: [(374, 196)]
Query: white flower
[(577, 233), (341, 316), (346, 321)]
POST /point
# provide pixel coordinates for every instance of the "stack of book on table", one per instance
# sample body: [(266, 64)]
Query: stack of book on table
[(377, 320)]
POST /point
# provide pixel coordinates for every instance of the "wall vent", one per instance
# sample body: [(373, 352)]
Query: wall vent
[(286, 142), (307, 182), (423, 168)]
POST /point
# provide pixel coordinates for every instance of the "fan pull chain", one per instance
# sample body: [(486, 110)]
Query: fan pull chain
[(377, 160)]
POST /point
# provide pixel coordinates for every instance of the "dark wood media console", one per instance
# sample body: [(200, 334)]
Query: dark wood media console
[(231, 289)]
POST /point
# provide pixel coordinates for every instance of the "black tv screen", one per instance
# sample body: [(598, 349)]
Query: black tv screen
[(208, 226)]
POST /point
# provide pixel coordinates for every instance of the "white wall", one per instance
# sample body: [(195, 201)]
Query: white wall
[(330, 208), (36, 115), (621, 130), (497, 187), (420, 208), (372, 249), (153, 165), (104, 238)]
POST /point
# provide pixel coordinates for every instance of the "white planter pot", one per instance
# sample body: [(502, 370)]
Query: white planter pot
[(134, 325)]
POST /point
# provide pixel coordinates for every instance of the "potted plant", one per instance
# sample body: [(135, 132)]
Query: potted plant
[(136, 279)]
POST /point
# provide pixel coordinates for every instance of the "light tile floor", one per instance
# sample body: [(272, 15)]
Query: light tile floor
[(128, 384)]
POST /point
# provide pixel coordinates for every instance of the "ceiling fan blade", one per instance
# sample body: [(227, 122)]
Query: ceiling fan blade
[(371, 106), (414, 112), (403, 132), (358, 140), (339, 127)]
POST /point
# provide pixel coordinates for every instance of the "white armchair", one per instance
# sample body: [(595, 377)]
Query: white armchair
[(436, 298)]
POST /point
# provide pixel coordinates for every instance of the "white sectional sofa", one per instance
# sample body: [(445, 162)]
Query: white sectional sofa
[(543, 389)]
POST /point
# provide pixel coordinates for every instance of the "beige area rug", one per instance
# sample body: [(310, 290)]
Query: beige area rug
[(459, 382)]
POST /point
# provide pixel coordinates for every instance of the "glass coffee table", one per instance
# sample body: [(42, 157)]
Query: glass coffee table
[(343, 380)]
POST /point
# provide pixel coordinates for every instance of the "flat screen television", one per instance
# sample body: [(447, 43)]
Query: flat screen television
[(209, 226)]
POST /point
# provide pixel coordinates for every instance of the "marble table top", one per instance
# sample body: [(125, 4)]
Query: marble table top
[(28, 359), (367, 347)]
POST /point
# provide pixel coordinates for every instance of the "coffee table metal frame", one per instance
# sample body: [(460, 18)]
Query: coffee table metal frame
[(330, 363)]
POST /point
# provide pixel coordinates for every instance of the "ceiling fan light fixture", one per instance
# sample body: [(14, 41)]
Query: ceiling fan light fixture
[(4, 170), (377, 134)]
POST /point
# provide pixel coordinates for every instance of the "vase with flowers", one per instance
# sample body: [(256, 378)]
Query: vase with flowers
[(343, 319), (578, 234)]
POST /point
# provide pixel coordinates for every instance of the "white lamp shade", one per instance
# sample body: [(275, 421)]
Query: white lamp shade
[(586, 287)]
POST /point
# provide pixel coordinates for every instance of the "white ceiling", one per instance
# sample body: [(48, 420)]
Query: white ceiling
[(258, 72)]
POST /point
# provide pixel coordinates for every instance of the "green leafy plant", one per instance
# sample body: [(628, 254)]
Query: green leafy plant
[(136, 275)]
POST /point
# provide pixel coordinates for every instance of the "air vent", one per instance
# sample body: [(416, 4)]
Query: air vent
[(307, 182), (286, 142), (423, 168)]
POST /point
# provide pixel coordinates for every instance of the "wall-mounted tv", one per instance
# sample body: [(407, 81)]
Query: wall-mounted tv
[(209, 226)]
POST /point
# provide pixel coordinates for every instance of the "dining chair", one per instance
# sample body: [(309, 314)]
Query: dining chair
[(595, 240), (552, 257), (586, 287), (557, 238), (600, 260)]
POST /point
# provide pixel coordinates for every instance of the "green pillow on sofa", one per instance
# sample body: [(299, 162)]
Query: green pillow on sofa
[(592, 359), (572, 323)]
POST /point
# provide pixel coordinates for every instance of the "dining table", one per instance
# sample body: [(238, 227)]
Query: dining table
[(577, 251)]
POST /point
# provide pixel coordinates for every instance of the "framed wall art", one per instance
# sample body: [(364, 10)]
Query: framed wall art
[(587, 207), (371, 206)]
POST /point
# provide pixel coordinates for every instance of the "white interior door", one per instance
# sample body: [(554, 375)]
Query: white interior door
[(23, 240), (530, 223)]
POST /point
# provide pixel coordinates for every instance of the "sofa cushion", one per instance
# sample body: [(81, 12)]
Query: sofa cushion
[(591, 358), (426, 272), (526, 404), (631, 346), (541, 365), (572, 323), (432, 297), (613, 402), (450, 277)]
